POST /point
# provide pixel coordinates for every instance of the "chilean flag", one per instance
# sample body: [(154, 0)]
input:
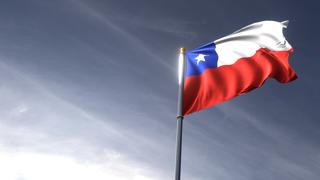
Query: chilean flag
[(236, 64)]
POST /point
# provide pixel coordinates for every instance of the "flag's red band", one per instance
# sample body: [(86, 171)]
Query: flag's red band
[(219, 84)]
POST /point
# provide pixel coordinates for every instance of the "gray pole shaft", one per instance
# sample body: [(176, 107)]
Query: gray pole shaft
[(179, 147), (179, 114)]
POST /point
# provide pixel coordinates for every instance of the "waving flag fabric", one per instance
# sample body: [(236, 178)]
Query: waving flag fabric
[(236, 64)]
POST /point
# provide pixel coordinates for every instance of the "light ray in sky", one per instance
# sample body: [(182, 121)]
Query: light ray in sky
[(140, 46)]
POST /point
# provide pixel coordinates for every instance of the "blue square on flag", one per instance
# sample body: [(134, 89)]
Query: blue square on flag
[(201, 59)]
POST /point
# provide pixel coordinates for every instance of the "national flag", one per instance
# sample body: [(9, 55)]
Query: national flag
[(236, 64)]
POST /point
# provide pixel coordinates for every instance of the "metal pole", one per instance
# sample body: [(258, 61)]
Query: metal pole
[(179, 113)]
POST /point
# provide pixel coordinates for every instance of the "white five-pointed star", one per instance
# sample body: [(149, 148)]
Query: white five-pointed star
[(200, 57)]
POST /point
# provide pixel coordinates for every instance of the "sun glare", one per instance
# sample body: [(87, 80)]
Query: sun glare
[(34, 166)]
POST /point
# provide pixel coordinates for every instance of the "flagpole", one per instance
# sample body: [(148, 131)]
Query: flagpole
[(179, 113)]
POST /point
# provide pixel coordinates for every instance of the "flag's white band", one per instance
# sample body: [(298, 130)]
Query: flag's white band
[(246, 41)]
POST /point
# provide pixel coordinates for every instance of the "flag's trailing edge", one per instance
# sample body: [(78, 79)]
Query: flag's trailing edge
[(236, 64)]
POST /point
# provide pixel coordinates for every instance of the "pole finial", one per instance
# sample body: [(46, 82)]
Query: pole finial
[(182, 50)]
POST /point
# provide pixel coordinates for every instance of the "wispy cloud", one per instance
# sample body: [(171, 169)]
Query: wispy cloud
[(174, 27)]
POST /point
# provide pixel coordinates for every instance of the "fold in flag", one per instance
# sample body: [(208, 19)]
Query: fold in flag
[(236, 64)]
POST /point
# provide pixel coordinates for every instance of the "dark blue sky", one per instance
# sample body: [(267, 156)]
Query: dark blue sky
[(88, 90)]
